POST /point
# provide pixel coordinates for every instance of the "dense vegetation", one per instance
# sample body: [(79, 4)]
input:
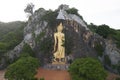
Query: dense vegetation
[(117, 67), (74, 11), (117, 38), (107, 60), (99, 48), (87, 69), (11, 34), (50, 17), (106, 32), (117, 79), (5, 28), (26, 51), (23, 69)]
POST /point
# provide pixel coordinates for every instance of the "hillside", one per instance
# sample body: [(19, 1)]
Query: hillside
[(11, 34), (5, 28), (106, 32), (81, 39)]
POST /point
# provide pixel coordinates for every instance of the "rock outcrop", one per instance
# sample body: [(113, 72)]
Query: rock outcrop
[(112, 51), (80, 41)]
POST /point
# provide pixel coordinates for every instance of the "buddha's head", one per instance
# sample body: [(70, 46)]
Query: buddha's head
[(60, 27)]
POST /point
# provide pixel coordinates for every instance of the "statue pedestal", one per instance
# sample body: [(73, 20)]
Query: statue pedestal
[(58, 62), (56, 66)]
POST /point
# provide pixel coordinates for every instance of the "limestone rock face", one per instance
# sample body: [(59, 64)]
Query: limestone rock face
[(15, 52), (79, 40), (74, 28), (34, 27), (113, 52)]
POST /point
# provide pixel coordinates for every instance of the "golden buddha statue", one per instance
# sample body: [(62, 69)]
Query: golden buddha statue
[(59, 49)]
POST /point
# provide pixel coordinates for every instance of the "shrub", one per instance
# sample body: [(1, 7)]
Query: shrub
[(3, 47), (117, 79), (22, 69), (68, 44), (74, 11), (117, 67), (50, 17), (107, 60), (46, 45), (99, 49), (87, 69), (27, 49), (38, 38), (103, 30), (42, 79), (92, 27), (11, 34)]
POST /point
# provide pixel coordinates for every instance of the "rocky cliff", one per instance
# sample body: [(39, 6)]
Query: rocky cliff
[(79, 40)]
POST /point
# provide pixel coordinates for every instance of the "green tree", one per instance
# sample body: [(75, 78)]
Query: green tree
[(103, 30), (74, 11), (99, 48), (107, 60), (92, 27), (15, 26), (3, 47), (23, 69), (50, 17), (87, 69), (117, 67), (27, 50), (117, 78), (29, 8), (46, 45), (11, 34), (117, 38)]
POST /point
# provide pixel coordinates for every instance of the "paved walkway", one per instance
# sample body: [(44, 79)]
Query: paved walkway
[(112, 76), (2, 75), (53, 74)]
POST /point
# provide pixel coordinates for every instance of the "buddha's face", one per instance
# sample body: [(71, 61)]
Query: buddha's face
[(60, 28)]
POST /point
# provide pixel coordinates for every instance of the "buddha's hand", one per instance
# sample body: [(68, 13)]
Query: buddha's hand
[(53, 51)]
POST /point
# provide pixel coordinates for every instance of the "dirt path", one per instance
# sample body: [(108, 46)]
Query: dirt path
[(112, 76), (53, 74), (2, 75)]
